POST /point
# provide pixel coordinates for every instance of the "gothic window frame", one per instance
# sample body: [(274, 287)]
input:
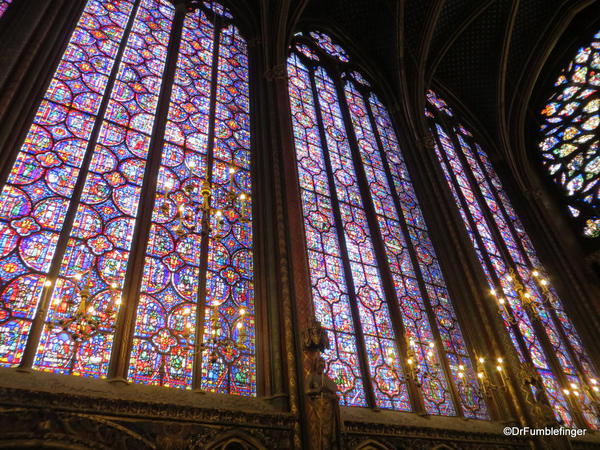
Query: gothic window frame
[(341, 69), (520, 290), (122, 329)]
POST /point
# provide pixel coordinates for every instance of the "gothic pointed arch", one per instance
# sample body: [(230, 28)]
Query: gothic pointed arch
[(234, 440), (128, 209), (377, 286)]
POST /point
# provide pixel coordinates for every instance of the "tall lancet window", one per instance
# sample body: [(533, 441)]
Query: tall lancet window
[(126, 217), (569, 137), (540, 330), (377, 286)]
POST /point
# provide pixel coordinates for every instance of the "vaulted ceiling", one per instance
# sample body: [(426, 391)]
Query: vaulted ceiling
[(482, 51)]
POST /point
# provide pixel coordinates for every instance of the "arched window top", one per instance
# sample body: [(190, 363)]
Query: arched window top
[(438, 103), (326, 44), (130, 202), (377, 286), (316, 48), (569, 137), (218, 8)]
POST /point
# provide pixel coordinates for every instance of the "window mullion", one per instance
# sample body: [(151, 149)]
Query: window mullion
[(204, 249), (557, 323), (131, 286), (412, 253), (35, 331), (367, 384), (537, 329), (486, 259), (380, 247)]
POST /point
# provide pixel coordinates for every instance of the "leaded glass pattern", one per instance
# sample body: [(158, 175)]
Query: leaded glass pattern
[(99, 245), (342, 132), (171, 298), (508, 257), (35, 200), (71, 206), (438, 296), (569, 137), (4, 4)]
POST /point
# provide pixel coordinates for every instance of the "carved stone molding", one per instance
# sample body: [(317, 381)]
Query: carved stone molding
[(356, 434), (10, 397), (35, 428)]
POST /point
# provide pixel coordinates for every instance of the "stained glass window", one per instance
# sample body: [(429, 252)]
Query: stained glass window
[(368, 250), (531, 310), (569, 137), (71, 206), (4, 4)]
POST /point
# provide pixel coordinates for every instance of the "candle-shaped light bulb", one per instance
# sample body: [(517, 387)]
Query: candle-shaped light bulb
[(499, 368), (242, 311), (431, 345), (573, 386), (493, 292), (113, 285), (461, 367), (410, 361), (566, 391), (77, 276), (543, 282), (460, 374), (187, 311), (91, 310), (509, 278), (596, 388), (576, 393), (593, 381), (481, 360), (242, 196), (480, 375), (47, 283), (535, 273), (500, 360), (527, 295), (501, 301), (118, 301)]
